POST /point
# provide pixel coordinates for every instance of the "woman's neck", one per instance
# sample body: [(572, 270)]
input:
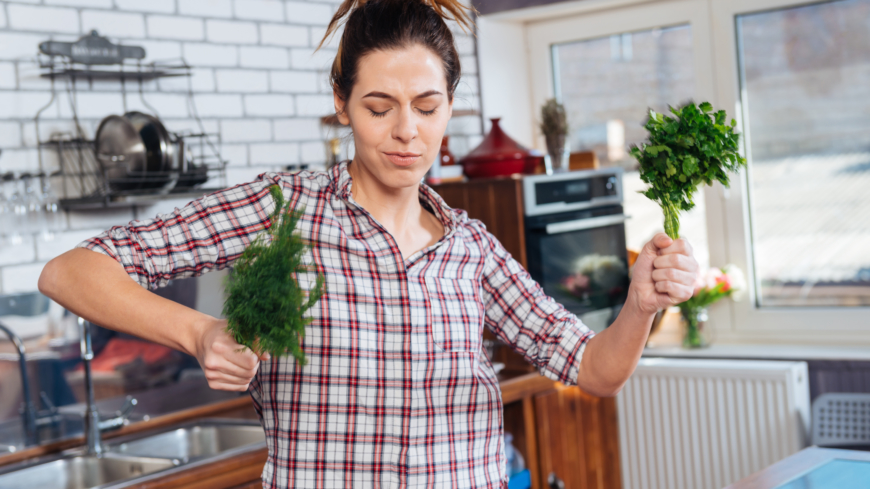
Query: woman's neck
[(395, 208)]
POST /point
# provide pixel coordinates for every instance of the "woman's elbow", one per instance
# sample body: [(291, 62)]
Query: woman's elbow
[(604, 390), (50, 277), (57, 273), (599, 387)]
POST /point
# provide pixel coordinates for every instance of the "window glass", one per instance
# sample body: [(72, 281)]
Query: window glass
[(608, 85), (805, 88)]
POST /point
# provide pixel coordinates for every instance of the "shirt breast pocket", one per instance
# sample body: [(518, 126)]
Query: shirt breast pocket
[(456, 313)]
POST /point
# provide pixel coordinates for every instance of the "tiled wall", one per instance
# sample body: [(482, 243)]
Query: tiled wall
[(256, 81)]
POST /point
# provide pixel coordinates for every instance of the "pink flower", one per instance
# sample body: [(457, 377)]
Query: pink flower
[(724, 279), (712, 278)]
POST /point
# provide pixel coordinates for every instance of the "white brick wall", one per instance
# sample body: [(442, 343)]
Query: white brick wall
[(82, 3), (202, 54), (10, 134), (309, 13), (271, 10), (114, 24), (170, 27), (231, 31), (43, 19), (269, 105), (283, 35), (206, 8), (242, 80), (7, 75), (263, 57), (218, 105), (256, 82), (159, 6)]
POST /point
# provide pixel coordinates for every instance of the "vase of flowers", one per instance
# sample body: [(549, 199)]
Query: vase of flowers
[(554, 126), (710, 287)]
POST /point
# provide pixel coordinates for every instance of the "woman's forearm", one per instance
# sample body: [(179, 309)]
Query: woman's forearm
[(611, 356), (96, 287)]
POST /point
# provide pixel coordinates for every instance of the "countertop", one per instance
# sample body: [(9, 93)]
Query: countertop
[(765, 352), (157, 407)]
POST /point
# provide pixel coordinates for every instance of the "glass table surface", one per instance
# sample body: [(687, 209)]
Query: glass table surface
[(836, 474)]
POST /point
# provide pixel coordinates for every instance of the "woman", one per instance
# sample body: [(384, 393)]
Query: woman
[(397, 391)]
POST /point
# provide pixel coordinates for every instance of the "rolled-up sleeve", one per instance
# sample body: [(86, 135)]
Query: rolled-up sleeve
[(207, 234), (531, 322)]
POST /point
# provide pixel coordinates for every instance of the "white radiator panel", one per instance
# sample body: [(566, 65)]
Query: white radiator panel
[(704, 424)]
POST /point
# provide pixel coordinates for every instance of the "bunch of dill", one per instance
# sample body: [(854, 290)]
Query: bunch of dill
[(264, 304)]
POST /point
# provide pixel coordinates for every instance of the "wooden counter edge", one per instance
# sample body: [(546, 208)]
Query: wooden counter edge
[(241, 469), (139, 426), (520, 387), (795, 465)]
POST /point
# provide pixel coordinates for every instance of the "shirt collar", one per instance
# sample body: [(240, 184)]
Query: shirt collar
[(449, 219)]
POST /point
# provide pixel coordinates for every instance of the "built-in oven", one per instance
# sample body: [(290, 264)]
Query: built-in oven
[(575, 241)]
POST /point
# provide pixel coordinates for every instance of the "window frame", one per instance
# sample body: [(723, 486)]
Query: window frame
[(717, 79)]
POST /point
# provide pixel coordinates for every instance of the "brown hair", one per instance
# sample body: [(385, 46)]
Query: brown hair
[(389, 24)]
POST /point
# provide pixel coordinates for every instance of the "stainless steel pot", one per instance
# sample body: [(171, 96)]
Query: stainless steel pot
[(136, 153)]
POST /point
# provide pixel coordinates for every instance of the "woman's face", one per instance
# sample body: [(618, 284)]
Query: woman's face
[(398, 110)]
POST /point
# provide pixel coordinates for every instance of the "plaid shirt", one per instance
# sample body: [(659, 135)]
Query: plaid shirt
[(397, 391)]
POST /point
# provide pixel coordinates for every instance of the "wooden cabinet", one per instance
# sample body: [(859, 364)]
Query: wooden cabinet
[(578, 439), (558, 429)]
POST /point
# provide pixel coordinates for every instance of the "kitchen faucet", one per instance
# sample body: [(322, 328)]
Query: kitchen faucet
[(29, 412), (93, 425)]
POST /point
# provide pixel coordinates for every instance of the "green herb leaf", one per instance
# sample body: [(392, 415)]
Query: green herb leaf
[(265, 305), (696, 146)]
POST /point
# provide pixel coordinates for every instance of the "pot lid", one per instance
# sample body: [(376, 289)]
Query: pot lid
[(498, 146)]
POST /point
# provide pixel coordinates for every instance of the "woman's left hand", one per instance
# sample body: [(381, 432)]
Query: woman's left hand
[(664, 274)]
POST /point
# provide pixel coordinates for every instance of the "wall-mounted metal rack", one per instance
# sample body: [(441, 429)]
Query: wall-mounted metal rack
[(111, 179)]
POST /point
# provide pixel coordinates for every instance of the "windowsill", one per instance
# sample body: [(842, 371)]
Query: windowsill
[(764, 352)]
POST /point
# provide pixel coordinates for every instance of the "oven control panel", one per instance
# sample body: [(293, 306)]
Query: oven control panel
[(568, 191)]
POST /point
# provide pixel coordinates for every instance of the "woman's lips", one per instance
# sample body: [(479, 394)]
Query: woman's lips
[(403, 159)]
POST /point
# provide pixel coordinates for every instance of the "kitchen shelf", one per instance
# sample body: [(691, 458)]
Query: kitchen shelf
[(120, 201), (137, 72), (84, 187)]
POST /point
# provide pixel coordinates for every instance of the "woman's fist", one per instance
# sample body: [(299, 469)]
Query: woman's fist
[(227, 365), (664, 274)]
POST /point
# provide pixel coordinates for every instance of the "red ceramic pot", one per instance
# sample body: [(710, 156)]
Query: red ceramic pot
[(499, 155)]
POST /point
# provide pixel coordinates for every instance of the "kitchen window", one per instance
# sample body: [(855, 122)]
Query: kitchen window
[(795, 75), (607, 85), (805, 91)]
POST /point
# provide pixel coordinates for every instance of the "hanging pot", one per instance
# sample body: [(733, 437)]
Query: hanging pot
[(135, 152), (498, 154)]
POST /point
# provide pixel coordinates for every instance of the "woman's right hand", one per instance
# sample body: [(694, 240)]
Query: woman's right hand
[(227, 365)]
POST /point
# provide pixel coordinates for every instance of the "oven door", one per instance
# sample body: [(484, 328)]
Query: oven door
[(580, 260)]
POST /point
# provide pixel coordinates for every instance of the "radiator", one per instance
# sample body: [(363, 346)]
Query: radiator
[(704, 424)]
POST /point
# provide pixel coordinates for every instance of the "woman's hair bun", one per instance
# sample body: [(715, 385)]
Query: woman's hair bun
[(448, 10)]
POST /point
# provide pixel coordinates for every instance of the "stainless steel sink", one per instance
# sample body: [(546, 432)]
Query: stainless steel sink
[(193, 441), (79, 472), (136, 458)]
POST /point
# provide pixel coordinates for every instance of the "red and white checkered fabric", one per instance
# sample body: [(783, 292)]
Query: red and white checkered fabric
[(398, 391)]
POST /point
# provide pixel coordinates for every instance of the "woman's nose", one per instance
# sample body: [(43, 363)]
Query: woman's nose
[(405, 129)]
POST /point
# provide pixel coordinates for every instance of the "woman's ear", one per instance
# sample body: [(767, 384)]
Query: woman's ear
[(340, 111)]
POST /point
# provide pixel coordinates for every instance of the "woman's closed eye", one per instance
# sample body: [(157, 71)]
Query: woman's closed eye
[(378, 115)]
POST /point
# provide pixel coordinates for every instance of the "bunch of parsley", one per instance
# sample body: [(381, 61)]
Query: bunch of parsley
[(694, 147), (265, 304)]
